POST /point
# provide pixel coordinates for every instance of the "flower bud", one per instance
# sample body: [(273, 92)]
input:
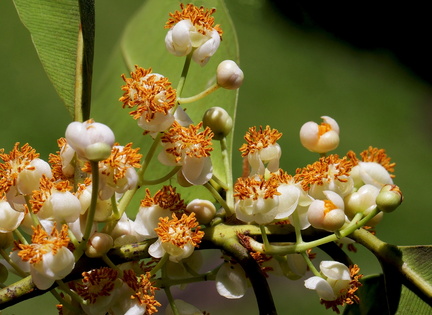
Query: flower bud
[(99, 244), (320, 138), (389, 198), (229, 75), (90, 140), (219, 121), (327, 214), (204, 210)]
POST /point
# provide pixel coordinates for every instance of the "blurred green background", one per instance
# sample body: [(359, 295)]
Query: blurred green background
[(291, 76)]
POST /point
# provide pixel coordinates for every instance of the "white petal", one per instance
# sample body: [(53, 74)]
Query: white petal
[(197, 171), (231, 281), (335, 270), (322, 287)]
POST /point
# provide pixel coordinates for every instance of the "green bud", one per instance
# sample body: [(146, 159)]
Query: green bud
[(389, 198), (219, 121)]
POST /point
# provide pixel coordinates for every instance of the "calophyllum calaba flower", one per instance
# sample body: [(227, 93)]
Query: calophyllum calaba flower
[(192, 29)]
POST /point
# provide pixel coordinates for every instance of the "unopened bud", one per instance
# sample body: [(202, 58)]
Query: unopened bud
[(219, 121), (204, 210), (229, 75), (99, 244), (389, 198), (90, 139)]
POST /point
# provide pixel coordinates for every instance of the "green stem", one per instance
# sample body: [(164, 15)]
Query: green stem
[(162, 179), (160, 264), (218, 198), (18, 270), (310, 264), (298, 248), (228, 172), (209, 90), (92, 210)]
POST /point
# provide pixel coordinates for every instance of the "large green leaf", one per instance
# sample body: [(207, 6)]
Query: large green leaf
[(417, 267), (54, 26), (143, 44)]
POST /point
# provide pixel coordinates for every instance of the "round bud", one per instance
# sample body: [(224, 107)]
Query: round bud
[(204, 210), (219, 121), (229, 75), (99, 244), (389, 198)]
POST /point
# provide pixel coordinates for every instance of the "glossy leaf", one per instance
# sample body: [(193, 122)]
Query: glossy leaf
[(54, 27), (143, 44)]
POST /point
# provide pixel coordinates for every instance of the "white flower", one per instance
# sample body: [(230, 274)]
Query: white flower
[(48, 257), (55, 202), (374, 168), (337, 286), (176, 237), (189, 148), (327, 214), (320, 138), (192, 28), (153, 97), (263, 200), (90, 140), (163, 204), (262, 150), (204, 210)]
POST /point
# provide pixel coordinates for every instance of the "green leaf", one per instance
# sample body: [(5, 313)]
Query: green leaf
[(54, 26), (410, 303), (418, 268), (372, 296), (143, 44)]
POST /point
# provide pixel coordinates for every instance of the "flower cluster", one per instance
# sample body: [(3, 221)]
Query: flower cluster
[(71, 222)]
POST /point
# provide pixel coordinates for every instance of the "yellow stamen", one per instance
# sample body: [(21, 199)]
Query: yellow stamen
[(179, 232), (15, 162), (150, 93), (166, 198), (257, 187), (201, 18), (188, 141), (96, 283), (43, 243), (319, 172), (259, 139)]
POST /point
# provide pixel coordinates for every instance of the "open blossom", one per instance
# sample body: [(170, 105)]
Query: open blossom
[(47, 257), (263, 200), (328, 173), (337, 286), (21, 171), (320, 138), (164, 203), (153, 97), (90, 140), (193, 28), (261, 149), (374, 168), (189, 148), (176, 237), (54, 201), (117, 172)]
